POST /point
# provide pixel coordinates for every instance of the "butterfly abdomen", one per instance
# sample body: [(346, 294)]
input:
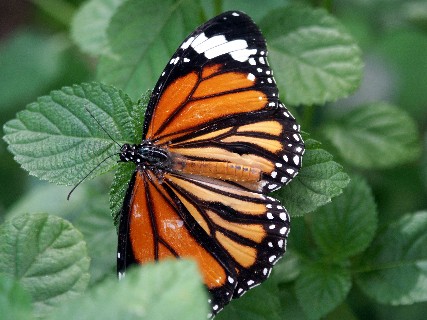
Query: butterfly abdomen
[(219, 170)]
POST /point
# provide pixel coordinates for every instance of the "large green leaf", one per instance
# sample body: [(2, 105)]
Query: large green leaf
[(376, 135), (15, 303), (56, 138), (320, 288), (142, 37), (48, 257), (347, 225), (396, 264), (319, 180), (89, 25), (314, 58), (168, 290)]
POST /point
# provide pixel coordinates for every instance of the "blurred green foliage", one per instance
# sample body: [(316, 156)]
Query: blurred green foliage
[(327, 272)]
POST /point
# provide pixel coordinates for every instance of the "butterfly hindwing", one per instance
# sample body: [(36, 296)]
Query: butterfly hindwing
[(250, 227), (157, 224)]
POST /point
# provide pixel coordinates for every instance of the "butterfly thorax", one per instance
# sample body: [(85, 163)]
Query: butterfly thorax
[(145, 154)]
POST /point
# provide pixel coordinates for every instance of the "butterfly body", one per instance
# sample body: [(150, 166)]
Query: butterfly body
[(216, 140), (145, 155)]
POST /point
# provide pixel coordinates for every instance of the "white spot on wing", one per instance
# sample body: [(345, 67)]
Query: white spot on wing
[(200, 39), (283, 216), (242, 55), (251, 77), (187, 43), (209, 43), (218, 45)]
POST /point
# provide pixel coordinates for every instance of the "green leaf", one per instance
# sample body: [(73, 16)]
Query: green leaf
[(87, 210), (95, 224), (319, 180), (288, 268), (320, 288), (347, 225), (118, 189), (260, 303), (375, 135), (396, 263), (402, 50), (56, 139), (47, 255), (15, 303), (142, 37), (29, 62), (290, 308), (314, 58), (167, 290), (89, 25)]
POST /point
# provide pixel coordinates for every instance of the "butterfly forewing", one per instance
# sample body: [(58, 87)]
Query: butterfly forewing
[(215, 114)]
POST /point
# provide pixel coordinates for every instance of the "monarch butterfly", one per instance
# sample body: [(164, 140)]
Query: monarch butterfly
[(216, 139)]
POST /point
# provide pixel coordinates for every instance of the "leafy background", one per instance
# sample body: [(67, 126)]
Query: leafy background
[(354, 74)]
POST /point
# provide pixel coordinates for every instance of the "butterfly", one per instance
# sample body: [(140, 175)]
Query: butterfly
[(216, 140)]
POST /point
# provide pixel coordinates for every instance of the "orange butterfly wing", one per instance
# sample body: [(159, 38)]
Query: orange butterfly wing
[(225, 140)]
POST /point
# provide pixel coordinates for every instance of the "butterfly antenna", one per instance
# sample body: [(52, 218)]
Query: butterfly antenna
[(90, 172), (103, 129)]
